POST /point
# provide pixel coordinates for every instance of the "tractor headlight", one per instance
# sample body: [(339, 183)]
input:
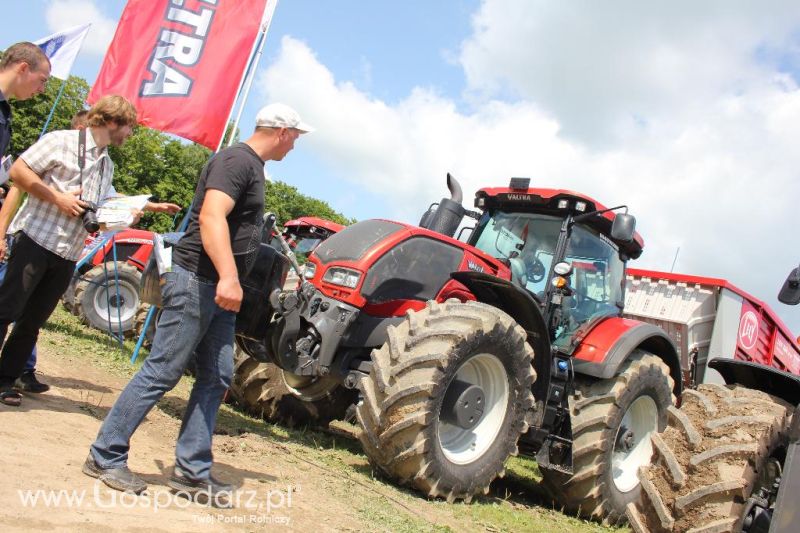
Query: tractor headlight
[(563, 204), (342, 276), (309, 270)]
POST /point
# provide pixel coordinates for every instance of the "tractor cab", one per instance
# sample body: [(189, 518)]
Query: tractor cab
[(564, 248)]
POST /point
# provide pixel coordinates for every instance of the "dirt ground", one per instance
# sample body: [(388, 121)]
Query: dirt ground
[(293, 481), (46, 441)]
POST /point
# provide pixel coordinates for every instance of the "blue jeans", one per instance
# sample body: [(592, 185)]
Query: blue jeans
[(191, 327), (30, 364)]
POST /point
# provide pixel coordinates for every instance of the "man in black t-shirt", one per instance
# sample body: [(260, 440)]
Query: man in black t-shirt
[(201, 296)]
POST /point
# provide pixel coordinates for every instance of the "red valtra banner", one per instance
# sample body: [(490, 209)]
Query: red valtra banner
[(181, 62)]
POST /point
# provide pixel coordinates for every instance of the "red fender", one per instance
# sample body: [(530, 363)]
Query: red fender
[(596, 345), (603, 350)]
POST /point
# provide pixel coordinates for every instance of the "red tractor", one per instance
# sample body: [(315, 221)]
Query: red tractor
[(106, 297), (461, 354)]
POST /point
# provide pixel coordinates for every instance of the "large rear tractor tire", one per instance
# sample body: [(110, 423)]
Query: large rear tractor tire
[(612, 421), (267, 391), (709, 460), (447, 398), (96, 298)]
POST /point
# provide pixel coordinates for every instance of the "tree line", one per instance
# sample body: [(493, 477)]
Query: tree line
[(151, 162)]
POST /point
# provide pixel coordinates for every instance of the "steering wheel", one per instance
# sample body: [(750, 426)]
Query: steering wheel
[(535, 271), (587, 306)]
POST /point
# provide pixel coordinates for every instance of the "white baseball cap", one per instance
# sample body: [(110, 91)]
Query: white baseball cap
[(281, 116)]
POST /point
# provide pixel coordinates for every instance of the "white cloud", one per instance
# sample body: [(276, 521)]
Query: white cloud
[(62, 14), (404, 151), (715, 176), (604, 69)]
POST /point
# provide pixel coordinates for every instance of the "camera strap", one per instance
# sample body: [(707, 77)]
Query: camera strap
[(81, 151), (81, 155), (82, 163)]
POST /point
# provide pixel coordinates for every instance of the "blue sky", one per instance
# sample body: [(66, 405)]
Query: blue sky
[(688, 112), (384, 48)]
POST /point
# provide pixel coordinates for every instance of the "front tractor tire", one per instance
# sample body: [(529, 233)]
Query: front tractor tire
[(612, 421), (717, 451), (447, 398), (267, 391), (103, 303)]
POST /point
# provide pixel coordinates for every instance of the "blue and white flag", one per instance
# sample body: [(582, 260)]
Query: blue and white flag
[(62, 48)]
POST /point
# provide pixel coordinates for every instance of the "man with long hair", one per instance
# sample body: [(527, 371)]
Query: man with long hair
[(52, 235)]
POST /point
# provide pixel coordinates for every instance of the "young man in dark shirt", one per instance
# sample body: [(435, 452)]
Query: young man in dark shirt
[(24, 71), (201, 296)]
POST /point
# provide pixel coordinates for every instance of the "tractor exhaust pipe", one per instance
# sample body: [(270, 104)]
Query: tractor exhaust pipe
[(455, 189), (445, 217)]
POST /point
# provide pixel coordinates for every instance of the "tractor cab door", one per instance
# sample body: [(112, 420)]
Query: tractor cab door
[(527, 243), (597, 282)]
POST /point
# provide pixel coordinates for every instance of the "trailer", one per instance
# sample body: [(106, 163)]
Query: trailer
[(710, 317)]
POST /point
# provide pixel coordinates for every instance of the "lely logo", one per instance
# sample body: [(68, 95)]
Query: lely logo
[(748, 330)]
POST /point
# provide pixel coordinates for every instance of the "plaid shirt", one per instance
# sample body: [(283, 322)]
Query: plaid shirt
[(54, 158)]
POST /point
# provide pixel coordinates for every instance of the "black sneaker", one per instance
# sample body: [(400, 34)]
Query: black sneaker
[(204, 491), (121, 479), (27, 382)]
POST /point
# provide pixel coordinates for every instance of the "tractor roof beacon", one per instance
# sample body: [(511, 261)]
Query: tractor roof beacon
[(465, 353)]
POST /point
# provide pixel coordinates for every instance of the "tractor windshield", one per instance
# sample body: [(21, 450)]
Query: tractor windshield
[(527, 243)]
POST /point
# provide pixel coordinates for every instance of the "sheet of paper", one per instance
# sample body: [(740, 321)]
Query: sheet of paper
[(117, 212), (163, 254), (5, 166)]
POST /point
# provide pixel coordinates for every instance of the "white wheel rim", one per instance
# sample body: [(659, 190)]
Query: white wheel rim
[(642, 419), (106, 298), (463, 446), (307, 388)]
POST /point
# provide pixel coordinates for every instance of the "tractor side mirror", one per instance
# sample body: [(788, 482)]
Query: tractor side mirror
[(623, 227), (425, 221), (465, 238), (790, 292)]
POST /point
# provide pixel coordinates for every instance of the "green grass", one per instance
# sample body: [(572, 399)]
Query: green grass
[(69, 337), (384, 516)]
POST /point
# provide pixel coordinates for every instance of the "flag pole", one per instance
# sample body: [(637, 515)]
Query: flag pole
[(269, 8), (53, 109), (248, 79), (265, 23), (236, 100)]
